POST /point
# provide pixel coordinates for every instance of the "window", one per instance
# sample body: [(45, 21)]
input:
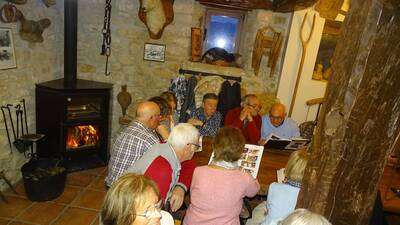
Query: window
[(223, 29)]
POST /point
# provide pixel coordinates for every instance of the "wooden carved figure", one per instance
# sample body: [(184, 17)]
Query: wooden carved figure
[(156, 15)]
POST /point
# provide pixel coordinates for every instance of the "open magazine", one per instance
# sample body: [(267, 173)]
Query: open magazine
[(250, 160), (275, 142)]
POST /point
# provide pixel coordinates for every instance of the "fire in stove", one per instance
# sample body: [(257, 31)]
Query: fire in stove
[(82, 137)]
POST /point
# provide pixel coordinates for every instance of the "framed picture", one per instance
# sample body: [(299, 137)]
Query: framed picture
[(7, 53), (154, 52), (329, 39)]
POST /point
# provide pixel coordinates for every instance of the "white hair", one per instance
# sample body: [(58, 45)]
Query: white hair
[(183, 134), (304, 217)]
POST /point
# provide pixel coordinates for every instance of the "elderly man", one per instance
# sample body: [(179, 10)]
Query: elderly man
[(206, 118), (133, 141), (169, 164), (246, 118), (278, 124)]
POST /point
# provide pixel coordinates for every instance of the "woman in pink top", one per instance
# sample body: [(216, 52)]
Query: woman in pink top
[(217, 190)]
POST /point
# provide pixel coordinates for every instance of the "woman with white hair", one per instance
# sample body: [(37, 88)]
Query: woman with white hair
[(304, 217), (169, 164)]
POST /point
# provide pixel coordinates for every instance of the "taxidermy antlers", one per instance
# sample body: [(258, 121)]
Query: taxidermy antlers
[(156, 15)]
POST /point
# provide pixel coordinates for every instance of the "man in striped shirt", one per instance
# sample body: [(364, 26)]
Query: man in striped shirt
[(133, 141)]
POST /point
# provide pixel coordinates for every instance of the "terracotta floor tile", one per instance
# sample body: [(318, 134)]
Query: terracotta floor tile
[(90, 199), (3, 221), (19, 187), (98, 184), (41, 213), (14, 206), (96, 221), (76, 216), (80, 179), (96, 171), (68, 195), (19, 223)]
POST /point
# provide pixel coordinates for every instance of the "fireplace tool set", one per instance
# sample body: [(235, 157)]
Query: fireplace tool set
[(17, 128)]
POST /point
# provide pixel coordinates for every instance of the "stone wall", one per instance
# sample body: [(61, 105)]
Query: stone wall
[(42, 62), (35, 63)]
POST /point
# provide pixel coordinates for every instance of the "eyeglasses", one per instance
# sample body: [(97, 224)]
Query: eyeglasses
[(256, 106), (196, 147), (152, 211), (276, 117)]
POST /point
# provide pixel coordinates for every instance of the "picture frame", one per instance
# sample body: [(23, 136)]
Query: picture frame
[(7, 51), (154, 52), (330, 36)]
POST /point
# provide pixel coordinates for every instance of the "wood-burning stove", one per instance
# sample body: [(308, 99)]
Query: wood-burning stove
[(75, 122), (74, 114)]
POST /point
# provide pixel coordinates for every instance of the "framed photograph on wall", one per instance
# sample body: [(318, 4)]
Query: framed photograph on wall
[(154, 52), (7, 53), (329, 39)]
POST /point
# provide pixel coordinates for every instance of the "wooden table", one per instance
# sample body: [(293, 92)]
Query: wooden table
[(271, 161)]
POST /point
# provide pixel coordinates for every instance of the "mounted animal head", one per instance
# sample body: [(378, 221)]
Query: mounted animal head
[(156, 15)]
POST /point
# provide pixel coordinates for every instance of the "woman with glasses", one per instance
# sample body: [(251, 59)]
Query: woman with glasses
[(134, 200), (217, 190)]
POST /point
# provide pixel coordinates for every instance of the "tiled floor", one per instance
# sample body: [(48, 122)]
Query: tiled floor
[(83, 195), (78, 205)]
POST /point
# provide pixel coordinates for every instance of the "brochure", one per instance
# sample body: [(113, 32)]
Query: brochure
[(250, 160)]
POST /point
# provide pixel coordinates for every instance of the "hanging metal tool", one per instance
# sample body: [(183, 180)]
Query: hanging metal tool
[(26, 120), (106, 46), (11, 120), (6, 126)]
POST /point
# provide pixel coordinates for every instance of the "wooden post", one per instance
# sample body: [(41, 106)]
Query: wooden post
[(360, 119)]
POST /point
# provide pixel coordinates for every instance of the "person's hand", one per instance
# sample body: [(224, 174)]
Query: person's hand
[(177, 197), (195, 122), (262, 142), (249, 117), (244, 113)]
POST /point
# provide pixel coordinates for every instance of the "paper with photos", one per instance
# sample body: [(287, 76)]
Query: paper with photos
[(250, 160)]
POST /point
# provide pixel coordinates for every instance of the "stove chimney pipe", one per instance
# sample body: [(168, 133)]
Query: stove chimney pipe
[(70, 42)]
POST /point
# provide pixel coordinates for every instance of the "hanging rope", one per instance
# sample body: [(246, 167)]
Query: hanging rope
[(106, 46)]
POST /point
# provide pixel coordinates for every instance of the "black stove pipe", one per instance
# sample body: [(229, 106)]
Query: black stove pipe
[(70, 42)]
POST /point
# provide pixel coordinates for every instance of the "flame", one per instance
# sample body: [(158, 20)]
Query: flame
[(82, 136)]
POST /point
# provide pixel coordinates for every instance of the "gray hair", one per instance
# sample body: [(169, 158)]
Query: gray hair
[(183, 134), (304, 217)]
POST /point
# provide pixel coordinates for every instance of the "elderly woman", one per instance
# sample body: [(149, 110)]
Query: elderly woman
[(172, 101), (304, 217), (282, 197), (217, 190), (134, 200)]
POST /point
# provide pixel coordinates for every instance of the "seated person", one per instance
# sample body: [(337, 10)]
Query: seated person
[(304, 217), (282, 197), (169, 164), (133, 141), (206, 118), (246, 118), (133, 200), (172, 101), (164, 128), (277, 123), (217, 190)]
